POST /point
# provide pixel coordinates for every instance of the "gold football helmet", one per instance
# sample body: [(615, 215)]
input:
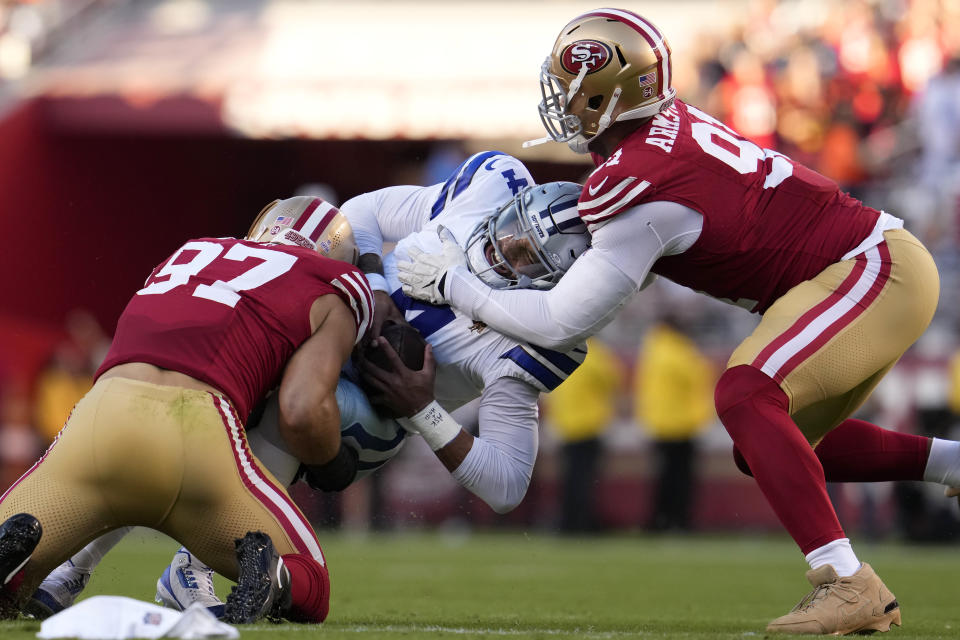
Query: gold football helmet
[(309, 222), (607, 65)]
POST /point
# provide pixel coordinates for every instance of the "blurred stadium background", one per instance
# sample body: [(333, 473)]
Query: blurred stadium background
[(129, 125)]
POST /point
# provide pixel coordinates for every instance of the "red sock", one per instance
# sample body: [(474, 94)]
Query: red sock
[(753, 409), (857, 451), (309, 588), (14, 584)]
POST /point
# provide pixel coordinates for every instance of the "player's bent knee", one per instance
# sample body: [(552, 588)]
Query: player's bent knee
[(309, 589), (744, 383)]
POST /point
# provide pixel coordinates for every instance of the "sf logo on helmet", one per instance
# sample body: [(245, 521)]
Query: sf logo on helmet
[(595, 55)]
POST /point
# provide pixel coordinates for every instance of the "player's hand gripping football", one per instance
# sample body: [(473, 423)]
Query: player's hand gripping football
[(423, 278), (384, 311), (401, 390)]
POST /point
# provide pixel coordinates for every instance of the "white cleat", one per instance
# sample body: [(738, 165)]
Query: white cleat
[(58, 590), (186, 581)]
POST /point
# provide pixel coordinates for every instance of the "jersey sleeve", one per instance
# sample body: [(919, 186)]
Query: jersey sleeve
[(499, 465), (385, 215), (542, 368), (607, 194), (352, 287), (586, 299)]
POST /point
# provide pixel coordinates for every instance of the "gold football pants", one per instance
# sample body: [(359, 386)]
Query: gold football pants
[(828, 341), (172, 459)]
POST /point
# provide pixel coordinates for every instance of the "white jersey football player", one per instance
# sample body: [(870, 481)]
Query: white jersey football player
[(529, 243), (516, 234)]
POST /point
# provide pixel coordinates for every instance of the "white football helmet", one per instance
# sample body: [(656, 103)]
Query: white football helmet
[(309, 222), (531, 240), (607, 65)]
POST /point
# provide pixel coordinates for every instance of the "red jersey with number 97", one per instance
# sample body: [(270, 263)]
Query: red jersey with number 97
[(768, 223), (231, 313)]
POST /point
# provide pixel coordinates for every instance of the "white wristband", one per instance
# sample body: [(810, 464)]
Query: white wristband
[(377, 282), (432, 422)]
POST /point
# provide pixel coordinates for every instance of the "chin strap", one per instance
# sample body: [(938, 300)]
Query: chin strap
[(604, 121), (605, 118), (575, 85)]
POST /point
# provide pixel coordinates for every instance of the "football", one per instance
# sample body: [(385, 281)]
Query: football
[(375, 438), (405, 340)]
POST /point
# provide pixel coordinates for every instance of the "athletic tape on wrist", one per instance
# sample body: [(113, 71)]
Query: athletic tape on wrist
[(377, 282), (436, 426)]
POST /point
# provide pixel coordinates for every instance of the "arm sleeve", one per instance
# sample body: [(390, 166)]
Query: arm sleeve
[(500, 463), (385, 215), (595, 288)]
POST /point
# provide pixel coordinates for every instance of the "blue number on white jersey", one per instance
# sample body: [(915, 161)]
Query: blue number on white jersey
[(463, 176)]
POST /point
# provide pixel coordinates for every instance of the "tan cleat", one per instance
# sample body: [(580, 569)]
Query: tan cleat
[(838, 606)]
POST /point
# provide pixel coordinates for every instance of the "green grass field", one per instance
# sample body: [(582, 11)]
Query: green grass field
[(523, 587)]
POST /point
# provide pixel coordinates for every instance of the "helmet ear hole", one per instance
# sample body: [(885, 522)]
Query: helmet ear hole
[(620, 57), (613, 53)]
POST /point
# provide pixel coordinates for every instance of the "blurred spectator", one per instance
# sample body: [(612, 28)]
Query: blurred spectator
[(674, 403), (69, 374), (579, 411), (937, 113), (747, 100)]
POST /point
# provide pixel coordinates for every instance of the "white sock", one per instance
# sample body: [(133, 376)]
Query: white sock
[(838, 553), (943, 464), (90, 556)]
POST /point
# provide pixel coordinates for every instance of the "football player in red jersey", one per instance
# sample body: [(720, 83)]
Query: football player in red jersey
[(842, 288), (159, 439)]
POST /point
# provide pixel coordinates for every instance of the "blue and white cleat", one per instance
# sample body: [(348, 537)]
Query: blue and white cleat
[(186, 581), (263, 586), (57, 591)]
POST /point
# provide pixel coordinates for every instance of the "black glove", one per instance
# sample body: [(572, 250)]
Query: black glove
[(335, 475)]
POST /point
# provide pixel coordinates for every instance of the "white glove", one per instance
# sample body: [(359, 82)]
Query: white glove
[(423, 277)]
